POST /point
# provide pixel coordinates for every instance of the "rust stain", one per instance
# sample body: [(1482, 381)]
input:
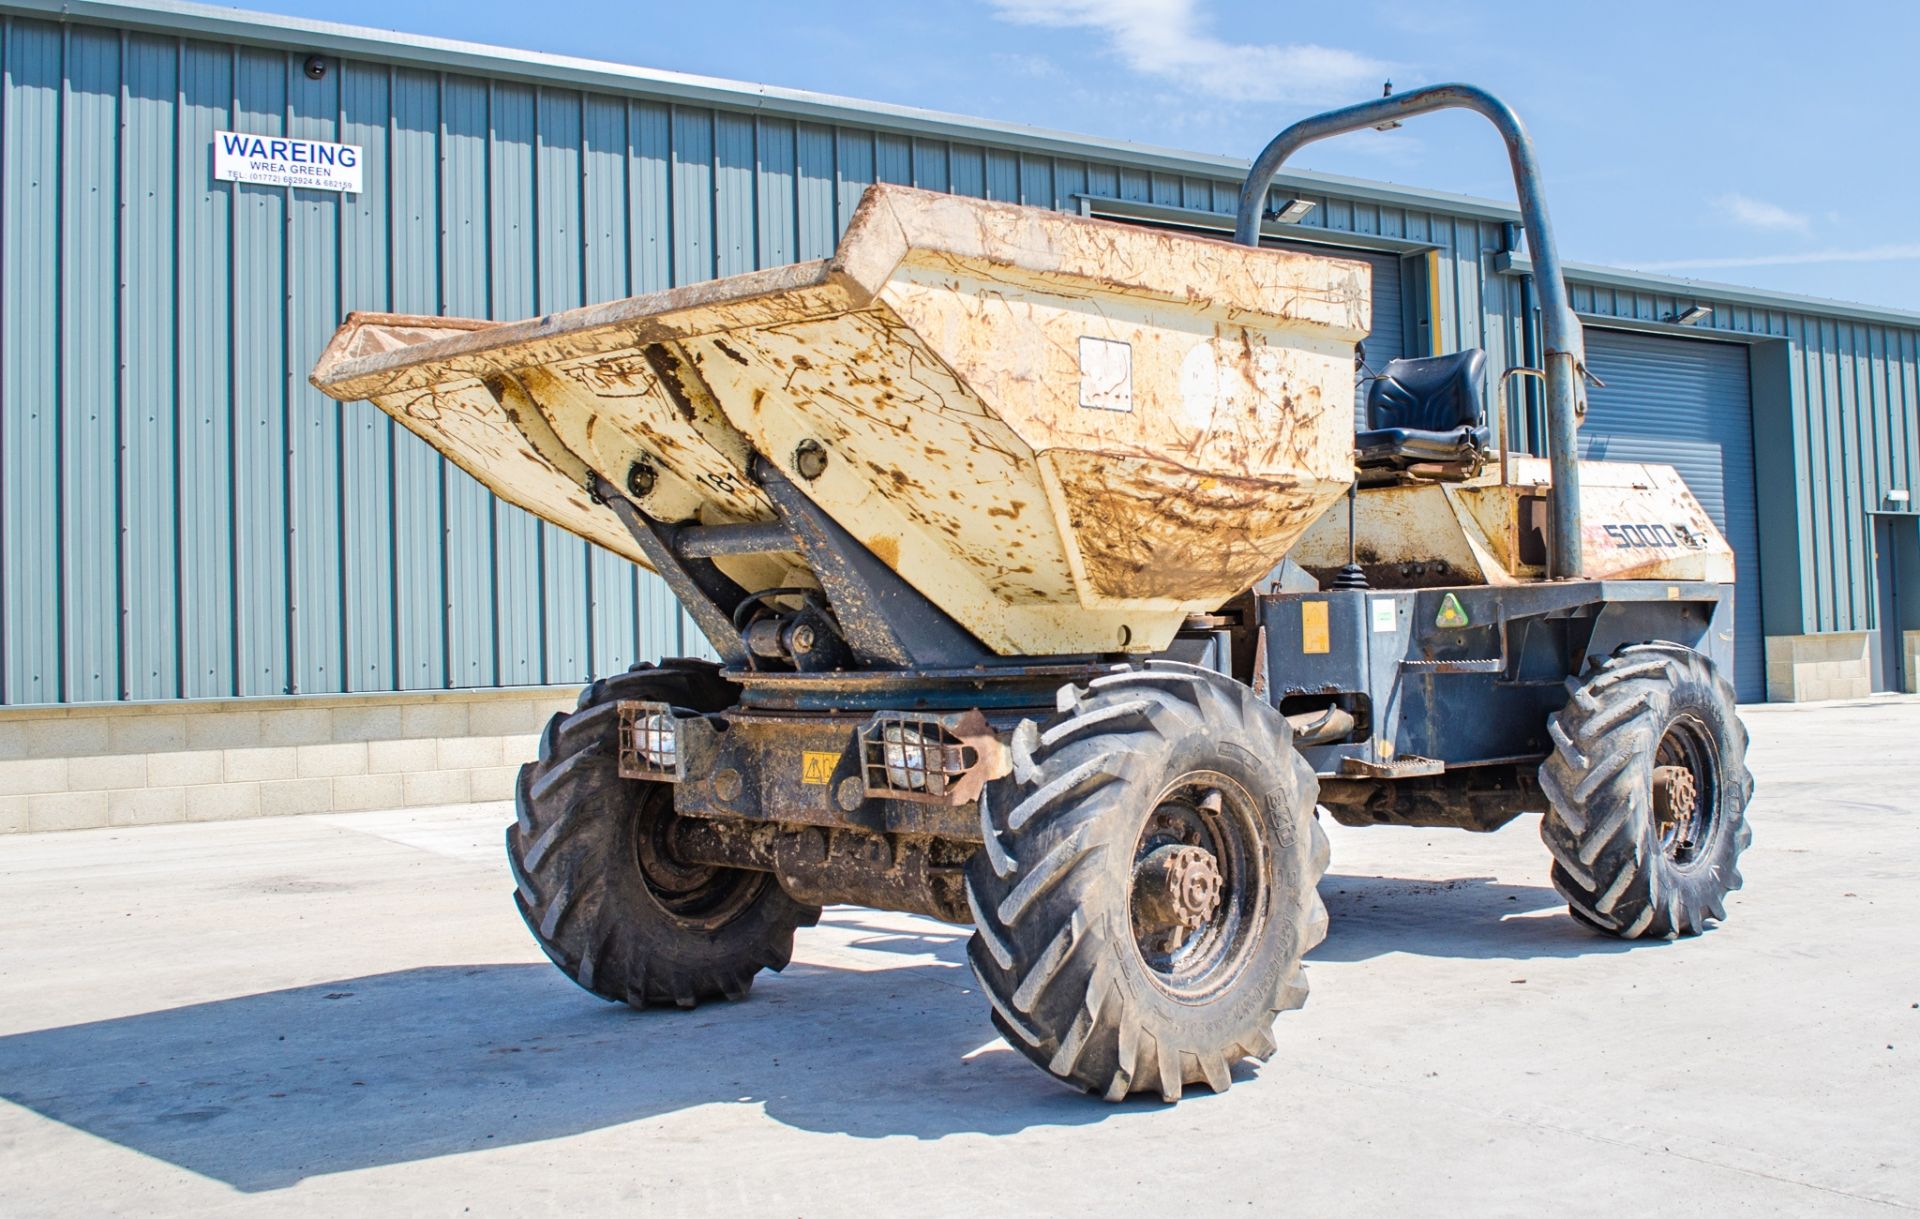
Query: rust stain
[(1149, 529), (668, 373), (946, 383)]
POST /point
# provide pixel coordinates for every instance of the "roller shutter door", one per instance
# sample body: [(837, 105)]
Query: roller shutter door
[(1686, 403), (1387, 342)]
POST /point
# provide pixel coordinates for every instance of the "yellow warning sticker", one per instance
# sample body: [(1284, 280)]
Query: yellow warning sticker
[(818, 768), (1313, 628)]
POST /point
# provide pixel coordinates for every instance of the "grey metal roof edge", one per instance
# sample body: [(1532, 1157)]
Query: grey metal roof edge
[(1707, 291), (178, 18), (1108, 207)]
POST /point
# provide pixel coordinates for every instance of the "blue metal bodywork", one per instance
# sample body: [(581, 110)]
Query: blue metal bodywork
[(1477, 695)]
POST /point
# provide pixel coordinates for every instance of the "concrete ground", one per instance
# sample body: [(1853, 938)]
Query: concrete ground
[(342, 1014)]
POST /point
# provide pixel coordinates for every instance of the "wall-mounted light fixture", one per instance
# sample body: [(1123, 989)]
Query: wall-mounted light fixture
[(1289, 211), (1897, 499), (1692, 315)]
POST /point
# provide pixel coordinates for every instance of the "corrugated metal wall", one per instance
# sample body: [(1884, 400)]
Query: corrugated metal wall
[(184, 517), (1856, 435)]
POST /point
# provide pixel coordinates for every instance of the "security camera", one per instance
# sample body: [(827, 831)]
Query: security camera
[(316, 68)]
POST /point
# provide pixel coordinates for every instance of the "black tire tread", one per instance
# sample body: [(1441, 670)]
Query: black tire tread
[(1598, 801), (1043, 958), (559, 846)]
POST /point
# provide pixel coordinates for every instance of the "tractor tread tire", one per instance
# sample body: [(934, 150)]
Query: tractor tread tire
[(570, 849), (1599, 824), (1053, 945)]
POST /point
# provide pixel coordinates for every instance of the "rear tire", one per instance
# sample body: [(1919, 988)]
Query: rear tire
[(596, 882), (1647, 792), (1115, 955)]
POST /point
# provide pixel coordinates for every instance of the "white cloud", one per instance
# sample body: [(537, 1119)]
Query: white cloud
[(1761, 216), (1172, 40), (1038, 67), (1881, 253)]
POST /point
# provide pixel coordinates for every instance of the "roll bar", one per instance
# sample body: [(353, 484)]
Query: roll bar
[(1565, 346)]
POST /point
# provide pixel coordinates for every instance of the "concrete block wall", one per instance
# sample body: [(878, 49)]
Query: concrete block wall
[(1810, 668), (82, 767)]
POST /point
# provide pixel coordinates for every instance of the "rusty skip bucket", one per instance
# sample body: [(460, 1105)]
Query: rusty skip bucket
[(1067, 433)]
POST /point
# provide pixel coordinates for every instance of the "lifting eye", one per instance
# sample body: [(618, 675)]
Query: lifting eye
[(642, 478), (810, 459)]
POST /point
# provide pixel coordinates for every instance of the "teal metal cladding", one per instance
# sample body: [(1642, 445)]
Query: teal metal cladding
[(1846, 433), (182, 516), (185, 517)]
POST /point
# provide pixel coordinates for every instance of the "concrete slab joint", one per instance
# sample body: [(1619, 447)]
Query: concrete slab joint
[(123, 764)]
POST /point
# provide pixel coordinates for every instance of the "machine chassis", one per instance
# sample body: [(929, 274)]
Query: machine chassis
[(1425, 706)]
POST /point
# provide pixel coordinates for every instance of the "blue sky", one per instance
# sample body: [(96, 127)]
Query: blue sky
[(1732, 141)]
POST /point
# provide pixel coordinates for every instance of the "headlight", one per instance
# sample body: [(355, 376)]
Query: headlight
[(655, 740), (915, 757), (905, 752)]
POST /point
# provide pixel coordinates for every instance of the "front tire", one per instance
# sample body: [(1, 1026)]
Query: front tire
[(1647, 792), (597, 882), (1146, 890)]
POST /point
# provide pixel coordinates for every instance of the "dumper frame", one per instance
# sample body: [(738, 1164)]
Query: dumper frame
[(1132, 833)]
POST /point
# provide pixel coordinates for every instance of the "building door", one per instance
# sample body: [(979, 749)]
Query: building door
[(1893, 549), (1686, 403), (1388, 340)]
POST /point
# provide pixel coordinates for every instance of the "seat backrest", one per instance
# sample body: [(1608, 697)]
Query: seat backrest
[(1430, 394)]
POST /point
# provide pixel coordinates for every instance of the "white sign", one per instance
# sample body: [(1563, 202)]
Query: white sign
[(1384, 617), (1106, 374), (274, 160)]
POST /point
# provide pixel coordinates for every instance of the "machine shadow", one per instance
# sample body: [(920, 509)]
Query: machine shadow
[(264, 1090), (1461, 917)]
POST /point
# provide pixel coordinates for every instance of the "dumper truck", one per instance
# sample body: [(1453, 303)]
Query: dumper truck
[(1054, 592)]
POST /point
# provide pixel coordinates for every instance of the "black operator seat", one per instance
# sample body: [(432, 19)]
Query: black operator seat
[(1429, 413)]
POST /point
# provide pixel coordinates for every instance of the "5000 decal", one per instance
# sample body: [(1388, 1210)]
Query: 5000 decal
[(1640, 537)]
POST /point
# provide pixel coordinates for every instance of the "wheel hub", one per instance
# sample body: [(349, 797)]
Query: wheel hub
[(1176, 892), (1676, 797), (696, 894)]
